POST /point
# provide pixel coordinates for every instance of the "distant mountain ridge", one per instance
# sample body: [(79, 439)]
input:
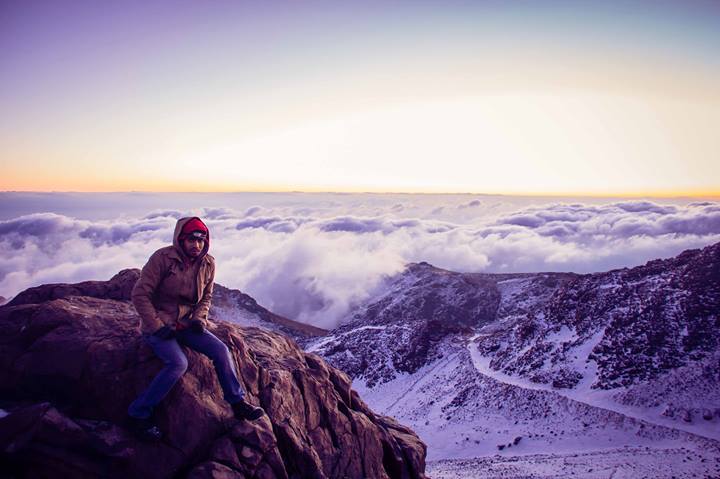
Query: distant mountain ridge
[(237, 307), (638, 347)]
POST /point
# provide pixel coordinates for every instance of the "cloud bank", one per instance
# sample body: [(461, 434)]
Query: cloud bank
[(313, 262)]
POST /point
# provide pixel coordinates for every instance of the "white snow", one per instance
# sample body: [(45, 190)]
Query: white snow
[(588, 368), (419, 401), (317, 345), (465, 411), (565, 334), (594, 397), (424, 402), (240, 316), (615, 463)]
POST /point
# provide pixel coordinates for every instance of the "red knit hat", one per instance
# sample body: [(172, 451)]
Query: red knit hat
[(194, 224)]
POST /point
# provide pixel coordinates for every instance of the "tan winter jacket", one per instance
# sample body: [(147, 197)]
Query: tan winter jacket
[(172, 290)]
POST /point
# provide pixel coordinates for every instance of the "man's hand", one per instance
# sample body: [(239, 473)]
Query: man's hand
[(197, 326), (166, 332)]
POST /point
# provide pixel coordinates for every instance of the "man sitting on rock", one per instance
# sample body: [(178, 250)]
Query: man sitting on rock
[(173, 298)]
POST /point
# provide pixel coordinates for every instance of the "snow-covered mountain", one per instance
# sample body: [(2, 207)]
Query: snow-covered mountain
[(482, 364)]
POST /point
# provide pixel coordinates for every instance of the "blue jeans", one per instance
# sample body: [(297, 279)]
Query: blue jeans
[(176, 364)]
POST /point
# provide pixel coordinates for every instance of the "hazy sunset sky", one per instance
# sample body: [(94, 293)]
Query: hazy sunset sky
[(560, 97)]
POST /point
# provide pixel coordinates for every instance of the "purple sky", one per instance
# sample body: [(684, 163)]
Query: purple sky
[(113, 96)]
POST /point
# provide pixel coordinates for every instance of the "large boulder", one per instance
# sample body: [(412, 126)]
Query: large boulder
[(72, 359)]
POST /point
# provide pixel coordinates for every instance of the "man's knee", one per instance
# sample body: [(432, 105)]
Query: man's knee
[(178, 365), (220, 352)]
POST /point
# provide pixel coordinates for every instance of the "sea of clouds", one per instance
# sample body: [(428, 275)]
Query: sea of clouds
[(312, 257)]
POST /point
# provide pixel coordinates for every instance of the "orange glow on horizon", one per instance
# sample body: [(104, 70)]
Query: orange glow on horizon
[(564, 100), (158, 187)]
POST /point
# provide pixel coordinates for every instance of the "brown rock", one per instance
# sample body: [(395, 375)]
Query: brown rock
[(214, 470), (40, 441), (71, 360), (118, 287)]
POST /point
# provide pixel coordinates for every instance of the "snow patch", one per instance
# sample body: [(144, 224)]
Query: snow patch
[(615, 463)]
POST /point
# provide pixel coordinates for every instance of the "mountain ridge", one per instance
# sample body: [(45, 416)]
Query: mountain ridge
[(641, 343)]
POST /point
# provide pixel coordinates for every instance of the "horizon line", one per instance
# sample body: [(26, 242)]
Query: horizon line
[(566, 194)]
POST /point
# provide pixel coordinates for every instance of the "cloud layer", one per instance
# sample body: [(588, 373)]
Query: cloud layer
[(312, 262)]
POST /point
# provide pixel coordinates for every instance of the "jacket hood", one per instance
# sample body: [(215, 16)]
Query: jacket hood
[(176, 237)]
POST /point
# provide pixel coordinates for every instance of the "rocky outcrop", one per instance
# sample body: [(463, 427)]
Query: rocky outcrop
[(119, 287), (71, 360), (228, 303)]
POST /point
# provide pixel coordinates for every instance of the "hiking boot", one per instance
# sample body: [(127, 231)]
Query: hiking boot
[(247, 411), (144, 429)]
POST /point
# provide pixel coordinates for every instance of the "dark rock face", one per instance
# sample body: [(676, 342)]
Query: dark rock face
[(404, 328), (119, 287), (71, 361), (455, 301), (641, 323)]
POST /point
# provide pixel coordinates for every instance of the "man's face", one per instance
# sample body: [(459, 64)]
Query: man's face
[(193, 246)]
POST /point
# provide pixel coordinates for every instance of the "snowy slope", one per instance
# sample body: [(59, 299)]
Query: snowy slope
[(616, 463), (462, 413), (564, 362)]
